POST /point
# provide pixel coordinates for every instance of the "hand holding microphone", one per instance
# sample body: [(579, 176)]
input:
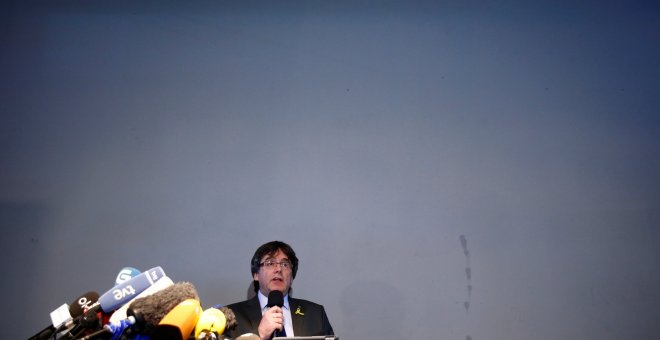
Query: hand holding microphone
[(272, 321)]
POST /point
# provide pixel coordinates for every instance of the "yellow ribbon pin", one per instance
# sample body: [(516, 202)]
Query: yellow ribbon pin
[(298, 311)]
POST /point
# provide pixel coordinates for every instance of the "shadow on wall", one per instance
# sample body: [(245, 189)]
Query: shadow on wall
[(250, 291), (367, 304)]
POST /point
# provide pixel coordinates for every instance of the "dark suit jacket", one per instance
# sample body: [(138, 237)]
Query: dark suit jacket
[(308, 318)]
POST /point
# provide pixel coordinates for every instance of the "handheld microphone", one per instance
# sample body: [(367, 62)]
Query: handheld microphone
[(89, 321), (276, 298), (83, 303), (129, 289), (126, 274), (211, 323), (179, 322)]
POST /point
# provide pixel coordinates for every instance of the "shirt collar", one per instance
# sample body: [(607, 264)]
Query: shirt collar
[(263, 301)]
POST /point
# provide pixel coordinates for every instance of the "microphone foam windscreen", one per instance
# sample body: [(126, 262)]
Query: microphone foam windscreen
[(212, 320), (275, 298), (230, 317), (81, 304), (159, 285), (179, 323), (150, 310)]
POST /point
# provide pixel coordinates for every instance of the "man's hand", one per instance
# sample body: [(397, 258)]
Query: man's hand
[(271, 320)]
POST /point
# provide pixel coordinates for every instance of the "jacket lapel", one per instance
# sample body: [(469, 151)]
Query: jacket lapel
[(297, 317), (254, 311)]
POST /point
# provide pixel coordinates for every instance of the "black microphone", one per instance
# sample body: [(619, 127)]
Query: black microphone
[(87, 322), (276, 298), (76, 309)]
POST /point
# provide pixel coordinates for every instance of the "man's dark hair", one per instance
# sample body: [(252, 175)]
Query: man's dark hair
[(269, 249)]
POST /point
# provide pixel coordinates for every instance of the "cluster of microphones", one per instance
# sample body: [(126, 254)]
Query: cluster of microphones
[(142, 306)]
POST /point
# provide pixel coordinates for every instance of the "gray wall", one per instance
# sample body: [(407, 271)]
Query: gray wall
[(450, 170)]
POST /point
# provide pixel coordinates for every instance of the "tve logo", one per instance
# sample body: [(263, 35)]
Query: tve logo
[(119, 294)]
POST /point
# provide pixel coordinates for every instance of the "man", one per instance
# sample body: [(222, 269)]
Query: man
[(274, 266)]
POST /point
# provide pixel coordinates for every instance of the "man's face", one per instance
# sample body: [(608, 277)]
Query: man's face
[(276, 277)]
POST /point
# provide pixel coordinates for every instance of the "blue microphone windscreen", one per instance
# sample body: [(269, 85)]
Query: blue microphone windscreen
[(126, 291)]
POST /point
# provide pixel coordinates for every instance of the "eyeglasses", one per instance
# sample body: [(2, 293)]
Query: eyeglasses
[(270, 264)]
